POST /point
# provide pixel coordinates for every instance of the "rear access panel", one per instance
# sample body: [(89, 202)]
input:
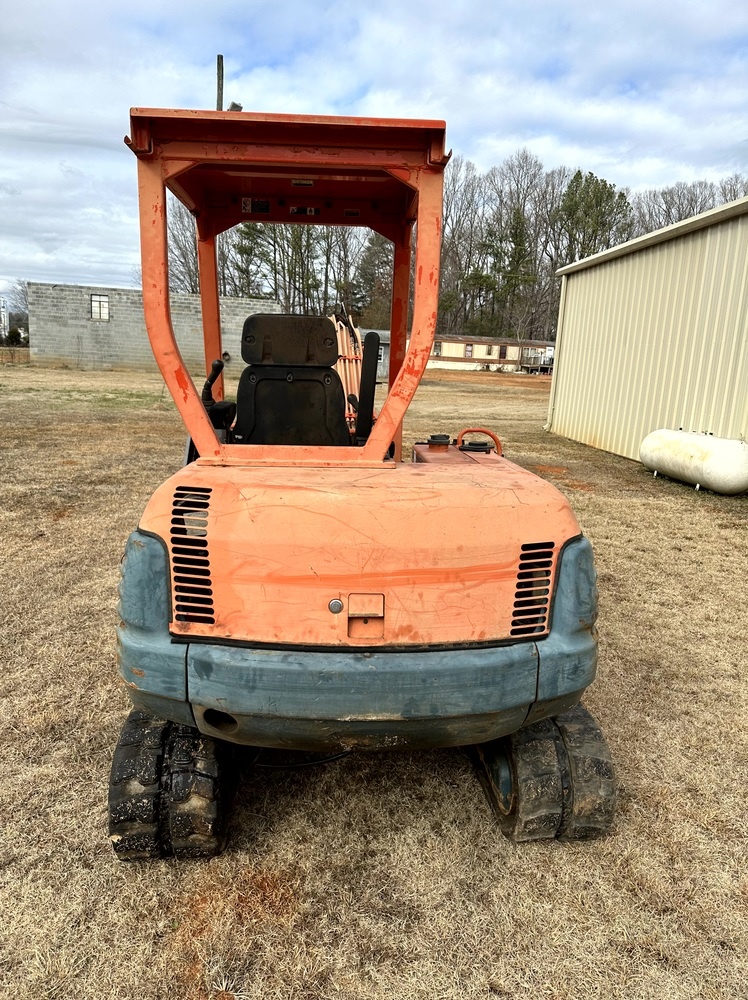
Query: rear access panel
[(402, 556)]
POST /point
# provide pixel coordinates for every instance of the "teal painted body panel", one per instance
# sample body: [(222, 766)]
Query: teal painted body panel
[(148, 659), (568, 656), (326, 699), (356, 685)]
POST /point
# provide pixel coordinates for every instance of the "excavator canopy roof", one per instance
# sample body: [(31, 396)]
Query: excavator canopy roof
[(232, 167)]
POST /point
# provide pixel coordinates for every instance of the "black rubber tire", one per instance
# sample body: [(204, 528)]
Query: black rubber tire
[(553, 779), (590, 791), (170, 791)]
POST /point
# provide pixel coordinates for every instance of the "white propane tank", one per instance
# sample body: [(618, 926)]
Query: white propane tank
[(717, 464)]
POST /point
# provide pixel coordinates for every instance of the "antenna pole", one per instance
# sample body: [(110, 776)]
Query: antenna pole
[(219, 75)]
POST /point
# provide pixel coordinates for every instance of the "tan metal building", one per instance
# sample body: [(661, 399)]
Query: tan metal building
[(654, 333)]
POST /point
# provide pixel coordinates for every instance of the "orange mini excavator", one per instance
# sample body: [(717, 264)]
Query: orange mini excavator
[(296, 585)]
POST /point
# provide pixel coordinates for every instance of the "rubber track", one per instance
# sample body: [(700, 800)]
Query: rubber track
[(169, 792), (590, 800), (198, 794), (537, 808), (563, 783), (135, 788)]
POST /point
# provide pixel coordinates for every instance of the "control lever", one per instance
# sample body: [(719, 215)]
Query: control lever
[(207, 394), (367, 388)]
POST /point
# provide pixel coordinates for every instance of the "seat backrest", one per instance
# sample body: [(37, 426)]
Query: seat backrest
[(289, 393)]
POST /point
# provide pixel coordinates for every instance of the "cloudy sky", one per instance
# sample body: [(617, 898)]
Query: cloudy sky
[(640, 92)]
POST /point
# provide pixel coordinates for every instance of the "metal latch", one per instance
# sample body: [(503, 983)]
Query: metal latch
[(366, 616)]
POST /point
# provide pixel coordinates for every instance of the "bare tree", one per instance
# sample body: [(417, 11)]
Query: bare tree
[(660, 207), (347, 247), (307, 269), (733, 187), (464, 276), (18, 297), (517, 231), (183, 269), (18, 311)]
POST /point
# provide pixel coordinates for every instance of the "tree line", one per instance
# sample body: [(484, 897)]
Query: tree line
[(506, 232)]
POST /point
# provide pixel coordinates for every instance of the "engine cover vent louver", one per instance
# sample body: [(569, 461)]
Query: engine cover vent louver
[(190, 564), (533, 594)]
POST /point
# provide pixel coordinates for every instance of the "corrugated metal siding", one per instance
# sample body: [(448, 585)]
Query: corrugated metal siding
[(656, 338)]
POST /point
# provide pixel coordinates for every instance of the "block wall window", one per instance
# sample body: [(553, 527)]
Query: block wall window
[(502, 352), (489, 350), (100, 307), (437, 348), (468, 350)]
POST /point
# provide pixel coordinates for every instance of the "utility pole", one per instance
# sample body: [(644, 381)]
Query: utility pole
[(219, 75)]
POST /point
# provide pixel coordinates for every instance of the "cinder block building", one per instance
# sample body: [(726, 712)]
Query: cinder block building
[(102, 328), (93, 327)]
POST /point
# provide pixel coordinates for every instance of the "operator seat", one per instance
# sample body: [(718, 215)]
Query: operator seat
[(289, 393)]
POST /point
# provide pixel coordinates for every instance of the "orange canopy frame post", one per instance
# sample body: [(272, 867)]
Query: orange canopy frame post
[(399, 317), (211, 307), (228, 168)]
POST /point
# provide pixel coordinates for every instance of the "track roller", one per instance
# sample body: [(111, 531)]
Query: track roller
[(552, 779), (170, 790)]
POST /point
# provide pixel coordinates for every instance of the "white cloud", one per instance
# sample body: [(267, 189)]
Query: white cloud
[(641, 94)]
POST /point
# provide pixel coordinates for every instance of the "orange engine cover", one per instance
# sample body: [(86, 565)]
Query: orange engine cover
[(398, 556)]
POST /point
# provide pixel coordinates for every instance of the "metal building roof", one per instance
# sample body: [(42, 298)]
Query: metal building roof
[(711, 218)]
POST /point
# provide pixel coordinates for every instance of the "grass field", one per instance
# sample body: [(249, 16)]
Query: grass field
[(380, 876)]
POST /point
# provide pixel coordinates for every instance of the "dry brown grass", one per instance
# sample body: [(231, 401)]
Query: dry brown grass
[(380, 876)]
